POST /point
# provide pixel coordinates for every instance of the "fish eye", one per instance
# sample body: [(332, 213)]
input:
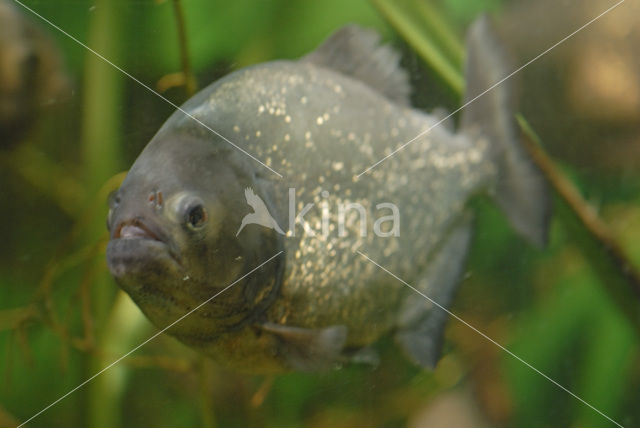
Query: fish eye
[(109, 214), (113, 199), (195, 216)]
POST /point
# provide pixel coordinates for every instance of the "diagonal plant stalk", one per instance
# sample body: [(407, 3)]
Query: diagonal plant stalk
[(609, 260), (441, 31), (618, 275), (414, 33)]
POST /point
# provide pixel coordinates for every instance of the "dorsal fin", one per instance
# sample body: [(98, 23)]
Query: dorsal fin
[(357, 52)]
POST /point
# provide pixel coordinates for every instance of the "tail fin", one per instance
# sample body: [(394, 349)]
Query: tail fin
[(520, 191)]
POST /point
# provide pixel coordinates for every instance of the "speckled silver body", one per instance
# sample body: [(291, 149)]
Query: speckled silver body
[(320, 129), (290, 139)]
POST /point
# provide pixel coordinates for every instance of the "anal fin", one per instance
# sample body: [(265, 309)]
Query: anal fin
[(421, 323)]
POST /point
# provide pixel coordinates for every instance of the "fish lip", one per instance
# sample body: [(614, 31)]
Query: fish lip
[(136, 229), (141, 229)]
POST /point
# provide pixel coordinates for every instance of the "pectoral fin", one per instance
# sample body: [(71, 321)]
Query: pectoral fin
[(309, 349)]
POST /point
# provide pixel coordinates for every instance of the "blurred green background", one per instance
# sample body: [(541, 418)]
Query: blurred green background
[(62, 318)]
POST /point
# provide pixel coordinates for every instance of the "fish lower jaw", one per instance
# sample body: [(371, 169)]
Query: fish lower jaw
[(142, 257)]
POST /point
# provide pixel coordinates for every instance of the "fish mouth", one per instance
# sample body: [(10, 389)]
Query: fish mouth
[(135, 229), (137, 240)]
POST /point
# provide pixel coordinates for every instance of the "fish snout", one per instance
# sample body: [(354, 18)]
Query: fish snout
[(129, 217)]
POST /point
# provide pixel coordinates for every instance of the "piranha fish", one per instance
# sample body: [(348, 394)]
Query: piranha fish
[(180, 235)]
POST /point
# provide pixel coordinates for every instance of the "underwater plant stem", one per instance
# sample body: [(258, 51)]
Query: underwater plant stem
[(124, 326), (443, 32), (37, 169), (7, 419), (101, 149), (102, 90), (261, 394), (581, 208), (206, 402), (189, 78), (65, 257), (402, 21)]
